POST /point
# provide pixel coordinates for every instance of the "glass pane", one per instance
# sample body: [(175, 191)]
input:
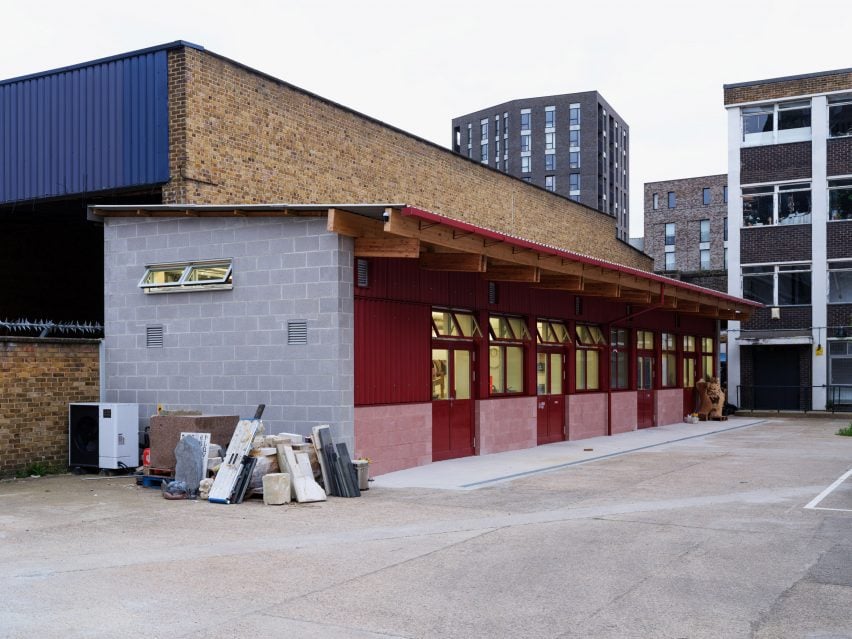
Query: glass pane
[(461, 374), (440, 381), (794, 208), (669, 369), (794, 288), (644, 373), (592, 370), (707, 345), (840, 120), (541, 373), (707, 366), (443, 322), (560, 331), (794, 118), (840, 287), (519, 328), (689, 343), (580, 372), (514, 369), (757, 123), (209, 272), (496, 369), (668, 342), (584, 336), (597, 335), (758, 288), (618, 369), (757, 209), (840, 204), (467, 323), (555, 374), (164, 276), (688, 372)]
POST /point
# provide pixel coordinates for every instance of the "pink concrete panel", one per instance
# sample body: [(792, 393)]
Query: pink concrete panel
[(507, 423), (669, 407), (394, 436), (622, 415), (587, 415)]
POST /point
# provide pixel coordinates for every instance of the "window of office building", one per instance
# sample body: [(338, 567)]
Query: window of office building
[(550, 162), (778, 284), (574, 114), (670, 234), (525, 164), (550, 182), (550, 117), (655, 201), (672, 199), (840, 116), (774, 123), (840, 282), (670, 261), (526, 141), (483, 129), (549, 141), (574, 181), (704, 231), (525, 120), (840, 199), (574, 137), (574, 160), (777, 204), (483, 152), (705, 195), (704, 259), (725, 194), (840, 371), (725, 229)]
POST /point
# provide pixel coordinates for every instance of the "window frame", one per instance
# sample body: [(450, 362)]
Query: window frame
[(839, 101), (777, 191), (704, 225), (500, 345), (184, 284), (671, 200), (588, 350), (706, 196), (837, 185), (777, 268), (619, 367), (835, 267), (776, 134), (668, 359)]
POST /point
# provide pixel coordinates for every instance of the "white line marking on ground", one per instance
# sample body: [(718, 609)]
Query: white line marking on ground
[(813, 503)]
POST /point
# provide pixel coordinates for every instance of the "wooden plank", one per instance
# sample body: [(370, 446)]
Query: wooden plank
[(387, 247), (457, 262), (634, 296), (687, 307), (512, 273), (351, 225), (600, 289), (560, 282)]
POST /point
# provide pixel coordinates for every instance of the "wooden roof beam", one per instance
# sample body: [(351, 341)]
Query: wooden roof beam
[(402, 247), (512, 273), (352, 225), (454, 262), (550, 281), (634, 296), (600, 289)]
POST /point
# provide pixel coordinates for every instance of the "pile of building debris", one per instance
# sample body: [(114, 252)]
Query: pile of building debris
[(281, 467)]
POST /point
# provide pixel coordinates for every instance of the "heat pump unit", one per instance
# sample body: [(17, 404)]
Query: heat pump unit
[(103, 435)]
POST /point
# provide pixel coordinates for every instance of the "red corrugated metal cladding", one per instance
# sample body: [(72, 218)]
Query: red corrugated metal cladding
[(392, 352)]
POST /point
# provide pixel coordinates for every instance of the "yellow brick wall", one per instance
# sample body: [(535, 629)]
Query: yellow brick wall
[(789, 88), (240, 137), (38, 379)]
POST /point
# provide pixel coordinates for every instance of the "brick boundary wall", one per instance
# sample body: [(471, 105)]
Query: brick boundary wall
[(243, 137), (39, 377), (781, 88)]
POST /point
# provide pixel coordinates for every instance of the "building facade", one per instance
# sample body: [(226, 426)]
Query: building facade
[(686, 229), (573, 144), (790, 242), (439, 309)]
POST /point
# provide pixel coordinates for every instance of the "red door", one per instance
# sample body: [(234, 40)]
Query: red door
[(550, 378), (645, 390), (452, 402)]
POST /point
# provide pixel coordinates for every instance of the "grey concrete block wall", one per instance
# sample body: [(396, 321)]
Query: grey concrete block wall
[(225, 351)]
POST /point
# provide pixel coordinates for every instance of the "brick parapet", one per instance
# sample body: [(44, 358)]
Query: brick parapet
[(779, 88), (38, 379), (252, 139)]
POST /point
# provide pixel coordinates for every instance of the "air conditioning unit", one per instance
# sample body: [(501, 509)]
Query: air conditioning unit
[(103, 435)]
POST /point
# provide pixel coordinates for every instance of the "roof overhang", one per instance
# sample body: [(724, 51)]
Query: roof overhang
[(446, 244)]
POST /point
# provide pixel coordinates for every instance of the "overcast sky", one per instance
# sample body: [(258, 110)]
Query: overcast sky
[(661, 64)]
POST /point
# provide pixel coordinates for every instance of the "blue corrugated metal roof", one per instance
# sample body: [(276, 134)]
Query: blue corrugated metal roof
[(96, 126)]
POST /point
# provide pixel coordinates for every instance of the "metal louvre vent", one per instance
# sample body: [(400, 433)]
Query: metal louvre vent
[(492, 292), (297, 332), (578, 305), (362, 270), (154, 337)]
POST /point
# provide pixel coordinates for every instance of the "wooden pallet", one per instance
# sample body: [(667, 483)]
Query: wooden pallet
[(150, 481)]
